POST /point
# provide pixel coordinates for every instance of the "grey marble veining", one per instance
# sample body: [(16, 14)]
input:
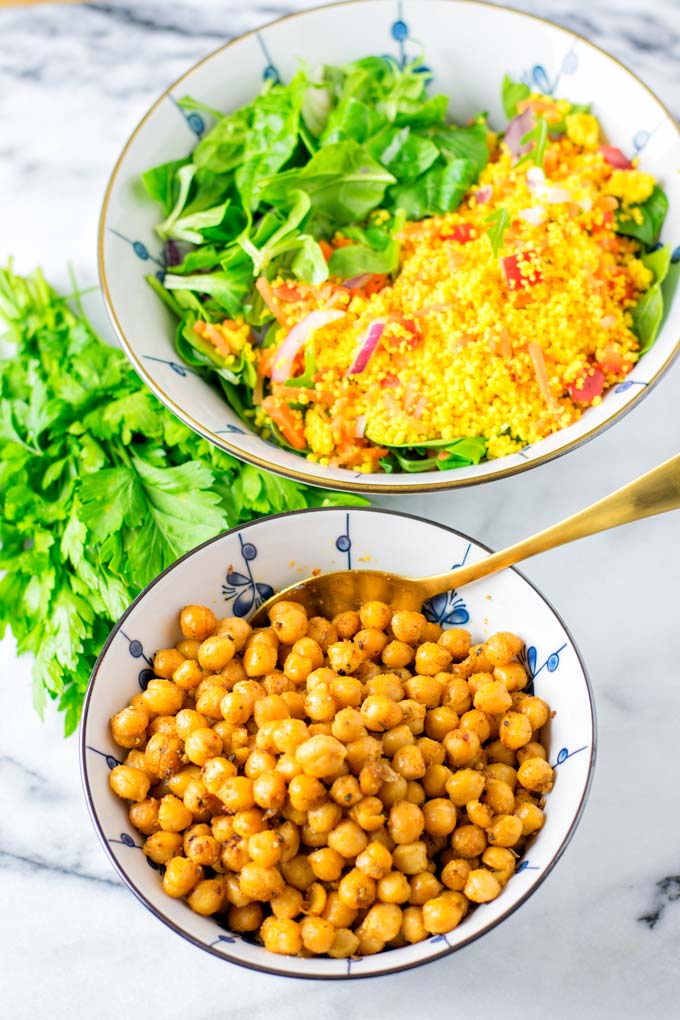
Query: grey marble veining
[(599, 940)]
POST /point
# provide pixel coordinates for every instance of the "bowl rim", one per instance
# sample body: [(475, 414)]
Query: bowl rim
[(352, 485), (228, 956)]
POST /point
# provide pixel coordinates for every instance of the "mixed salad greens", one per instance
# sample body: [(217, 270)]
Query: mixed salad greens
[(359, 149)]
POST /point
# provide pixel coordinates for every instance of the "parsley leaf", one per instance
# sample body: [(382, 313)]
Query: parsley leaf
[(501, 221)]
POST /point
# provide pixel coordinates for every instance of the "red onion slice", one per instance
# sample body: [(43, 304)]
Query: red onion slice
[(483, 194), (518, 127), (297, 338), (357, 281), (366, 347)]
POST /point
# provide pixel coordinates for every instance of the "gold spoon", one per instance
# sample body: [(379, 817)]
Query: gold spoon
[(653, 493)]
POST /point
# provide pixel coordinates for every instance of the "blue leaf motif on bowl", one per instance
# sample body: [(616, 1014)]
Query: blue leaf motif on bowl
[(270, 72), (448, 609), (108, 758), (564, 754), (246, 592), (399, 31), (192, 117), (126, 840), (529, 659), (527, 866), (181, 370), (140, 250), (343, 543)]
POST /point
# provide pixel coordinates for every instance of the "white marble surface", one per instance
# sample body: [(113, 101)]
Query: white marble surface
[(599, 939)]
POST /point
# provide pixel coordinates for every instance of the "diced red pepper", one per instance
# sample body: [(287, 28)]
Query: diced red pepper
[(512, 268), (615, 157), (462, 233), (613, 362), (607, 220), (590, 386), (389, 380)]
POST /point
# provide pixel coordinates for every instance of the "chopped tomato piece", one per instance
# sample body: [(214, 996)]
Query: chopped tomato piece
[(615, 157), (288, 421), (389, 380), (590, 386), (607, 220), (513, 269), (372, 286), (462, 233), (326, 249)]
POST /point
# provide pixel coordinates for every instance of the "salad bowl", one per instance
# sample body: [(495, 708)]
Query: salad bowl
[(468, 47), (234, 574)]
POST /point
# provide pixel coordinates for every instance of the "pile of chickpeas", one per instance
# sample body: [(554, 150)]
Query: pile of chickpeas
[(338, 786)]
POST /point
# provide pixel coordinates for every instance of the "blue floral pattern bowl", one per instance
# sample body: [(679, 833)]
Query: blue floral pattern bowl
[(233, 574), (468, 46)]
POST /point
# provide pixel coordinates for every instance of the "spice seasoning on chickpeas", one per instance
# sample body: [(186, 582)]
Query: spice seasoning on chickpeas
[(334, 787)]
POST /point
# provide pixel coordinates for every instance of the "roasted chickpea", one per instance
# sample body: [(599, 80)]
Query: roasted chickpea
[(482, 886), (412, 927), (347, 624), (201, 803), (129, 783), (531, 750), (287, 903), (178, 783), (493, 697), (397, 654), (380, 713), (441, 720), (297, 667), (536, 711), (202, 744), (456, 642), (530, 815), (345, 944), (435, 779), (259, 658), (515, 730), (322, 631), (321, 756), (181, 875), (265, 848), (368, 814), (410, 858), (318, 935), (238, 793), (408, 762), (371, 643), (408, 626), (290, 624), (375, 614), (479, 814), (469, 841), (215, 652), (163, 697), (502, 647), (260, 883), (499, 796), (248, 822), (505, 830), (536, 775), (161, 847), (347, 692), (327, 864), (512, 674), (443, 913), (209, 694), (347, 838), (356, 890), (207, 897), (197, 622), (281, 935), (456, 693), (173, 815), (382, 922), (423, 887), (432, 658), (344, 656), (305, 792), (166, 661), (505, 773), (128, 727), (393, 791), (319, 704), (455, 874), (439, 816), (462, 746), (201, 846), (144, 816), (246, 918), (298, 871)]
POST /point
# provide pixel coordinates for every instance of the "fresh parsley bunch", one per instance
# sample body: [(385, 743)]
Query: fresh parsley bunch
[(101, 488)]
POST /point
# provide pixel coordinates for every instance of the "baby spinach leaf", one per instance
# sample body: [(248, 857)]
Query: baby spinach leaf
[(512, 93), (404, 154), (352, 119), (357, 259), (228, 288), (653, 213), (648, 312), (440, 190), (308, 264), (463, 142), (160, 182), (343, 181)]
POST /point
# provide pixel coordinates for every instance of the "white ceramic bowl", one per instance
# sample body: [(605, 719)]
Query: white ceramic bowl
[(469, 46), (239, 569)]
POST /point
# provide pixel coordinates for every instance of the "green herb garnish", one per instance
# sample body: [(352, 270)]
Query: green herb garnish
[(101, 488)]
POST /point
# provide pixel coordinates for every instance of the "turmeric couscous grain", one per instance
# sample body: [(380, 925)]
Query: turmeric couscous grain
[(474, 344)]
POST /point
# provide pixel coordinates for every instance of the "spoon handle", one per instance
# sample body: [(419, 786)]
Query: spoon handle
[(655, 492)]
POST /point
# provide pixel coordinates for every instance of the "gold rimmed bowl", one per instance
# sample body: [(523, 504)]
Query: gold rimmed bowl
[(469, 46)]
